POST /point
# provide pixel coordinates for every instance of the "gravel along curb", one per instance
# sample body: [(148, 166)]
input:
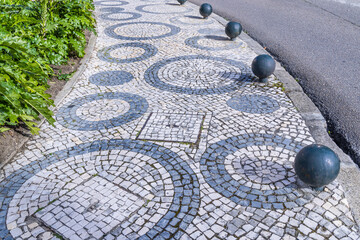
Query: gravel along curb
[(62, 94), (349, 176)]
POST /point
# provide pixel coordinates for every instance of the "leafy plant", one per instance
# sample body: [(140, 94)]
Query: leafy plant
[(22, 85), (64, 76), (54, 27), (34, 34)]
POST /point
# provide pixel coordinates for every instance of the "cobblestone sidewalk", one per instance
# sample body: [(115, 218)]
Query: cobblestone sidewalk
[(165, 135)]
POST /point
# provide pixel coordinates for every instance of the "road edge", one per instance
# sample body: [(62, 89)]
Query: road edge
[(349, 175), (62, 94)]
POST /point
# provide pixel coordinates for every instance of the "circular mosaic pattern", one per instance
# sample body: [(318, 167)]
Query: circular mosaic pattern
[(120, 16), (166, 8), (101, 110), (111, 3), (155, 1), (150, 191), (254, 104), (111, 78), (197, 74), (212, 43), (127, 52), (211, 31), (254, 170), (183, 205), (141, 30), (263, 172), (191, 20), (111, 9), (67, 115)]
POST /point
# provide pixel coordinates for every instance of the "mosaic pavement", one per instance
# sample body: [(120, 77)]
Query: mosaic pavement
[(168, 135)]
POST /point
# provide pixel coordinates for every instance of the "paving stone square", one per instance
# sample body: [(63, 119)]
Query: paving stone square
[(89, 208), (172, 127)]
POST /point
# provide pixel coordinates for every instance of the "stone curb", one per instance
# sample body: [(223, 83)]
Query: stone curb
[(62, 94), (349, 175), (68, 86)]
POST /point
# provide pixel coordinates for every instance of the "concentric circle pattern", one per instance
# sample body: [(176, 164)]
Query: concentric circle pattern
[(111, 78), (102, 110), (197, 74), (80, 113), (266, 170), (212, 43), (180, 203), (254, 170), (110, 3), (191, 20), (254, 104), (141, 30), (127, 52), (120, 16), (167, 8)]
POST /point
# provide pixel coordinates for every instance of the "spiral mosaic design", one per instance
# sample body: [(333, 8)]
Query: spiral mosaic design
[(197, 74), (83, 113)]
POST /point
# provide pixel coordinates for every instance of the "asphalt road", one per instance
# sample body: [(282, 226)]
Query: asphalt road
[(318, 42)]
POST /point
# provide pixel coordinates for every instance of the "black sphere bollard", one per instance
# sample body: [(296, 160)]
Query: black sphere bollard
[(205, 10), (233, 29), (263, 66), (317, 165), (181, 1)]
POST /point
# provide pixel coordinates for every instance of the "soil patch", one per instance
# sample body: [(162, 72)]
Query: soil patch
[(11, 141)]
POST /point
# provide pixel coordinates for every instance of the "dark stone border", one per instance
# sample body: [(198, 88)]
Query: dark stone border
[(111, 78), (141, 9), (107, 16), (117, 3), (213, 169), (152, 78), (67, 117), (150, 50), (156, 1), (250, 104), (184, 206), (111, 9), (110, 31)]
